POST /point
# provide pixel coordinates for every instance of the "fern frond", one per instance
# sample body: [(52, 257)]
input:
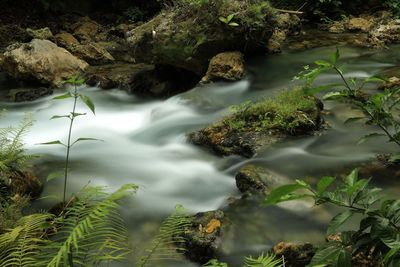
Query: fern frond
[(163, 247), (268, 260), (21, 245), (92, 231), (215, 263)]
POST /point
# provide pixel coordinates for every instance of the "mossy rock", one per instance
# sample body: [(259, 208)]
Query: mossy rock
[(188, 35), (253, 179), (256, 125)]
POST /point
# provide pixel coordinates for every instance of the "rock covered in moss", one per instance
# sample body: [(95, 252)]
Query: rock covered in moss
[(286, 25), (203, 238), (92, 54), (43, 33), (25, 183), (255, 125), (296, 255), (253, 179), (227, 66), (190, 33), (41, 61)]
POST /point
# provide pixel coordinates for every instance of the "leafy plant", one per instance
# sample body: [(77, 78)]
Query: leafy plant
[(394, 7), (165, 246), (267, 260), (379, 229), (13, 156), (229, 20), (89, 231), (379, 108), (75, 95)]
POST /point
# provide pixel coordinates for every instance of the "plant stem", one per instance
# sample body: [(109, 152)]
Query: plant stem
[(344, 80), (69, 142)]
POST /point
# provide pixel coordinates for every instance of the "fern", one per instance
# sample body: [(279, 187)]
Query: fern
[(87, 233), (215, 263), (21, 245), (164, 246), (268, 260), (92, 231), (13, 156)]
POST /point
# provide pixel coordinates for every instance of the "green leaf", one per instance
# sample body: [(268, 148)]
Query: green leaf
[(59, 117), (334, 95), (370, 136), (324, 183), (77, 114), (222, 19), (282, 193), (338, 221), (56, 142), (354, 119), (230, 17), (86, 139), (391, 254), (325, 256), (351, 178), (335, 56), (323, 63), (376, 79), (64, 96), (88, 102), (233, 24), (315, 90), (54, 175), (344, 259)]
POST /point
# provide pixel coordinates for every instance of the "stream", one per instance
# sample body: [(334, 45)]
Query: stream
[(145, 144)]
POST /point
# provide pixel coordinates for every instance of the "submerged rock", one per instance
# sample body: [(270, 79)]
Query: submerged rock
[(253, 179), (227, 66), (28, 94), (261, 124), (203, 237), (41, 61)]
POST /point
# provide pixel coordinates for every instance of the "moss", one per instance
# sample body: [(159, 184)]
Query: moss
[(290, 112)]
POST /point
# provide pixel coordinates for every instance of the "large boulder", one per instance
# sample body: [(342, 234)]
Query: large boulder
[(188, 35), (260, 124), (41, 61), (227, 66)]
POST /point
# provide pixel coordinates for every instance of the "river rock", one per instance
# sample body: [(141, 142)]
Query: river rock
[(43, 33), (41, 61), (12, 33), (178, 37), (204, 236), (31, 94), (363, 24), (85, 29), (227, 66), (286, 25), (92, 54), (386, 34), (261, 124), (253, 179), (66, 40), (296, 255)]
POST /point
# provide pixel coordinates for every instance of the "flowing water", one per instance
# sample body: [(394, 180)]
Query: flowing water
[(145, 143)]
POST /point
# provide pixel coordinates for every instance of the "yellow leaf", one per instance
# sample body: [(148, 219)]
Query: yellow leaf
[(213, 225)]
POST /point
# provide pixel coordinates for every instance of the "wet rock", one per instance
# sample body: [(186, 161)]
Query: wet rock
[(12, 33), (363, 24), (41, 61), (392, 83), (130, 77), (296, 255), (261, 124), (286, 25), (204, 236), (253, 179), (143, 79), (31, 94), (43, 34), (337, 27), (85, 29), (66, 40), (92, 54), (386, 33), (227, 66)]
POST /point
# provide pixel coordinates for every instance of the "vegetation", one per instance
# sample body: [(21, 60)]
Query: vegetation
[(86, 233), (75, 81), (261, 261), (378, 108), (290, 112), (377, 236)]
